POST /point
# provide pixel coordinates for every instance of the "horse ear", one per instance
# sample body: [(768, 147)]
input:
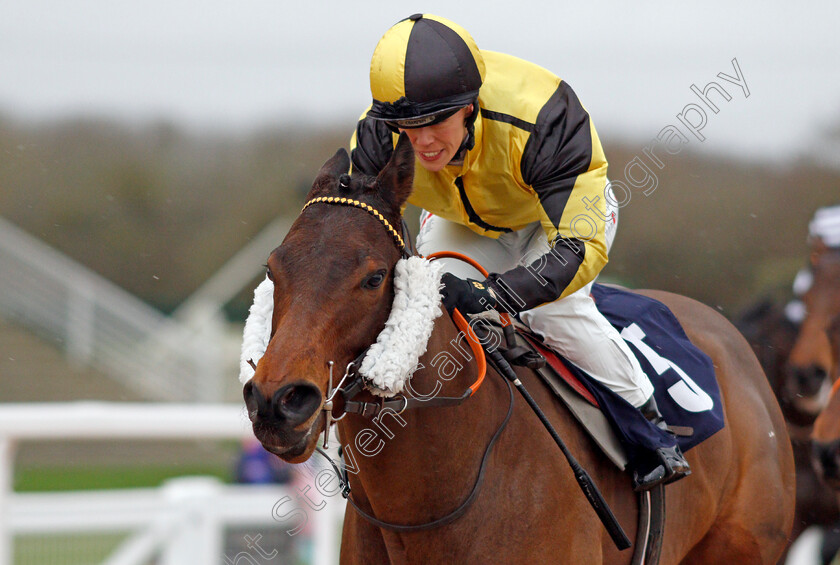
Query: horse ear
[(336, 165), (396, 179)]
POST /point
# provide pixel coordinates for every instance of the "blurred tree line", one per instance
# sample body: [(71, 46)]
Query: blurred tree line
[(157, 210), (152, 208), (718, 229)]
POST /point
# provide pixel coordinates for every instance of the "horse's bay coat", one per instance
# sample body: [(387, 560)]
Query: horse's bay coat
[(736, 507)]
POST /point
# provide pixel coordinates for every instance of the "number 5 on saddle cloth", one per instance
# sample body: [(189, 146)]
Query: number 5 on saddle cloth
[(683, 377)]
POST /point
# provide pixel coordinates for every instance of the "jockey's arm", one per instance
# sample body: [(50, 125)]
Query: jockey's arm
[(565, 166)]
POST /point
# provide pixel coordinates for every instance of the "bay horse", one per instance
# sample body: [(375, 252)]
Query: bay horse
[(823, 303), (817, 351), (811, 357), (771, 335), (826, 434), (333, 278), (796, 360), (801, 395)]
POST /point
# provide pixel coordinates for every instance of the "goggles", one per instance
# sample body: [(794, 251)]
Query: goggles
[(423, 121)]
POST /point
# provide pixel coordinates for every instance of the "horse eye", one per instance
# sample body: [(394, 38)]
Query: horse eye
[(268, 273), (375, 280)]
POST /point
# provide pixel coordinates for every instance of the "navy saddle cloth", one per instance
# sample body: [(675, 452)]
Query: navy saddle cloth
[(683, 377)]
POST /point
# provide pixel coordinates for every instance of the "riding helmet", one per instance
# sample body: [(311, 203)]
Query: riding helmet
[(422, 71)]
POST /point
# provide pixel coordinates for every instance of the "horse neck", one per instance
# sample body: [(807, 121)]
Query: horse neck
[(440, 446)]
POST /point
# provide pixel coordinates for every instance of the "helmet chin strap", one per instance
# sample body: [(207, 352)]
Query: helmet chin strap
[(469, 139)]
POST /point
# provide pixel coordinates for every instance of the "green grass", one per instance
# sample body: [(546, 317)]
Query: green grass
[(86, 478), (67, 549)]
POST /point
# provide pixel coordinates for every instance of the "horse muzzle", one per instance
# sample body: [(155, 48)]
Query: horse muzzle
[(284, 421), (826, 460), (807, 388)]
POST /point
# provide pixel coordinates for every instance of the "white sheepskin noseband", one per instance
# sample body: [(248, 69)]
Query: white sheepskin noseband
[(257, 329), (390, 361)]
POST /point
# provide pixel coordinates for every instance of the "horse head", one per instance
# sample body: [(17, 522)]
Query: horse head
[(336, 262), (826, 434), (771, 335), (810, 361)]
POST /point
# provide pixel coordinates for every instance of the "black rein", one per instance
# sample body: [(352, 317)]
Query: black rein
[(444, 520)]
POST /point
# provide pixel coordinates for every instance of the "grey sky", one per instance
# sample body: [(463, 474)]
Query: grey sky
[(263, 62)]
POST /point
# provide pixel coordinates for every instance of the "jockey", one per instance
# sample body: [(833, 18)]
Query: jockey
[(511, 173), (823, 232)]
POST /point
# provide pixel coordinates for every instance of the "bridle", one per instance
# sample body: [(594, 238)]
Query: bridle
[(342, 201), (508, 376), (352, 383), (355, 382)]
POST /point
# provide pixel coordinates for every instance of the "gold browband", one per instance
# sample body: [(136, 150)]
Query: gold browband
[(366, 207)]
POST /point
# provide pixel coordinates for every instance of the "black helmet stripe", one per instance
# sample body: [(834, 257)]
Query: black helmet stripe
[(438, 63), (423, 66)]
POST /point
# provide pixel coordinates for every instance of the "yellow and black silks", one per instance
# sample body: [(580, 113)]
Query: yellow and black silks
[(536, 157)]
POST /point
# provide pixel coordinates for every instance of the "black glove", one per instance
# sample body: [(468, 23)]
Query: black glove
[(468, 296)]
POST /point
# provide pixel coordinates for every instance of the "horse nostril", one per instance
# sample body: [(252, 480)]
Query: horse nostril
[(809, 380), (827, 458), (296, 403), (255, 402)]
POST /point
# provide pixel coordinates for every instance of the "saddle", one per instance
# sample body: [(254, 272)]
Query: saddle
[(525, 348), (683, 377), (620, 431), (529, 351)]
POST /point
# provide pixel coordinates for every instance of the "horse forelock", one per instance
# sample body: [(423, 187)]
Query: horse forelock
[(822, 299), (337, 237), (361, 187)]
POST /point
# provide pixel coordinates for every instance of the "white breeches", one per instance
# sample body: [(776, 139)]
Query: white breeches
[(573, 326)]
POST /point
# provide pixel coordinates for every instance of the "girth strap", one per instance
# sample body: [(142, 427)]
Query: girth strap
[(651, 529)]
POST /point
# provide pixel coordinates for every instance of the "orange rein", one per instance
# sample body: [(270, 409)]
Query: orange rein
[(834, 387), (461, 322)]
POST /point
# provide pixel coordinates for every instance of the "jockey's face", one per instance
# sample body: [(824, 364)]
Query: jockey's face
[(437, 144)]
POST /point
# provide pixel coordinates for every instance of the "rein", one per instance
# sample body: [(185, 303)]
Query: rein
[(399, 403), (402, 402), (344, 482)]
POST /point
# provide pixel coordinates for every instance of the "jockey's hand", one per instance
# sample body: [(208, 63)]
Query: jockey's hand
[(468, 296)]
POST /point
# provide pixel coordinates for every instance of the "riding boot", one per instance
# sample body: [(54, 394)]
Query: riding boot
[(666, 464)]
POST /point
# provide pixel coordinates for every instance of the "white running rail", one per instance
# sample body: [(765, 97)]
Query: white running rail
[(180, 523), (106, 327)]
